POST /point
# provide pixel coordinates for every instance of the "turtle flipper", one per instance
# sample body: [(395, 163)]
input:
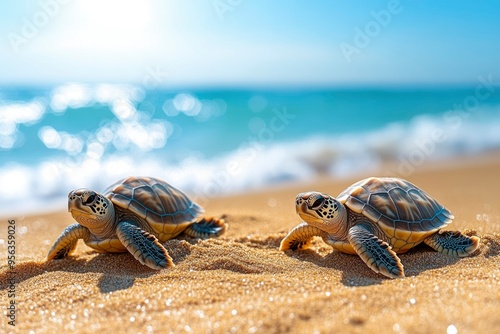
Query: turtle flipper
[(300, 237), (144, 246), (453, 243), (376, 253), (207, 228), (66, 242)]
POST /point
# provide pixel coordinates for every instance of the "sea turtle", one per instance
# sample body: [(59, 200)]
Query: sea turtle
[(376, 218), (135, 214)]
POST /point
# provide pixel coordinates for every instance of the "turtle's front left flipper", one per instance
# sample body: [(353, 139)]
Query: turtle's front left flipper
[(300, 237), (453, 243), (66, 242), (376, 253), (207, 228), (144, 246)]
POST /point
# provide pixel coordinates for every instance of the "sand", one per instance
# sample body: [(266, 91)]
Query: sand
[(241, 283)]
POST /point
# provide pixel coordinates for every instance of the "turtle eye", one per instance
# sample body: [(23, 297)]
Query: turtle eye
[(318, 203), (90, 199)]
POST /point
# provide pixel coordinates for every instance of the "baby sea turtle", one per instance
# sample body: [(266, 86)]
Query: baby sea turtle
[(136, 214), (376, 218)]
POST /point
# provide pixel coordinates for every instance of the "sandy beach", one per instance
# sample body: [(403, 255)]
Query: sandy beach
[(242, 283)]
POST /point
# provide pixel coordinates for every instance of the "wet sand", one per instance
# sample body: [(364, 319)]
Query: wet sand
[(242, 283)]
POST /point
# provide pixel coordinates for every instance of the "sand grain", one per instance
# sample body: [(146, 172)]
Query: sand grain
[(241, 283)]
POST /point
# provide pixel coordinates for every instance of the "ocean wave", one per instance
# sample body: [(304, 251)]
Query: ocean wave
[(259, 163)]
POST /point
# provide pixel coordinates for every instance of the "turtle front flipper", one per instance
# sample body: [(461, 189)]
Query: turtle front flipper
[(144, 246), (300, 237), (453, 243), (207, 228), (376, 253), (66, 242)]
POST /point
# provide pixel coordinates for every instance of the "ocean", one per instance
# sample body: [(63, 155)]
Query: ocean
[(213, 142)]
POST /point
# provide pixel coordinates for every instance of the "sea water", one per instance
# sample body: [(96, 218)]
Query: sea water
[(212, 142)]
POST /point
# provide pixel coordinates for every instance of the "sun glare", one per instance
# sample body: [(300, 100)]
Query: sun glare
[(113, 23)]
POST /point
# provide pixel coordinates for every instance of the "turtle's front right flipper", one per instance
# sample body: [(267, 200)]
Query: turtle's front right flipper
[(66, 242), (300, 237), (144, 246), (376, 253)]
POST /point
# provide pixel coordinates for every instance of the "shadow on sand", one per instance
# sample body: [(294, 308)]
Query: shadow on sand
[(102, 263), (356, 273), (122, 263), (237, 255)]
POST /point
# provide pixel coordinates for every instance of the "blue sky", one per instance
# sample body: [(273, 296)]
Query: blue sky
[(249, 43)]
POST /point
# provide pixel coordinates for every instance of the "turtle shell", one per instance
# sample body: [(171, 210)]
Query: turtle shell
[(165, 208), (403, 211)]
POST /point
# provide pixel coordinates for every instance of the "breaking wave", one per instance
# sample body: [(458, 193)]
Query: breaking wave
[(130, 142)]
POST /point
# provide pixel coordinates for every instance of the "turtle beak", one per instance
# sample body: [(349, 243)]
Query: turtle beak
[(303, 209), (72, 205), (71, 201), (301, 206), (75, 201), (301, 202)]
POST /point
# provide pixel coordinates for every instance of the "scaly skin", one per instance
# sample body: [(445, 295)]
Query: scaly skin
[(354, 232), (136, 214), (105, 230)]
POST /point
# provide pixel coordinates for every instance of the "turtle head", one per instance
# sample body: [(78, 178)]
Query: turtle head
[(90, 209), (321, 210)]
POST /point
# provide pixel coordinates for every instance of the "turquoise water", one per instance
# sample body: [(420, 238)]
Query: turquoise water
[(214, 142)]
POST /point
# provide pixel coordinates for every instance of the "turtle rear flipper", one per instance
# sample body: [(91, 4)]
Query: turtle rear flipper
[(144, 246), (66, 242), (207, 228), (453, 243), (376, 253)]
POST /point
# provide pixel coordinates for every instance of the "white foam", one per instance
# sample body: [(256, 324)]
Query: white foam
[(12, 114), (189, 105), (20, 113), (255, 164), (71, 96)]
